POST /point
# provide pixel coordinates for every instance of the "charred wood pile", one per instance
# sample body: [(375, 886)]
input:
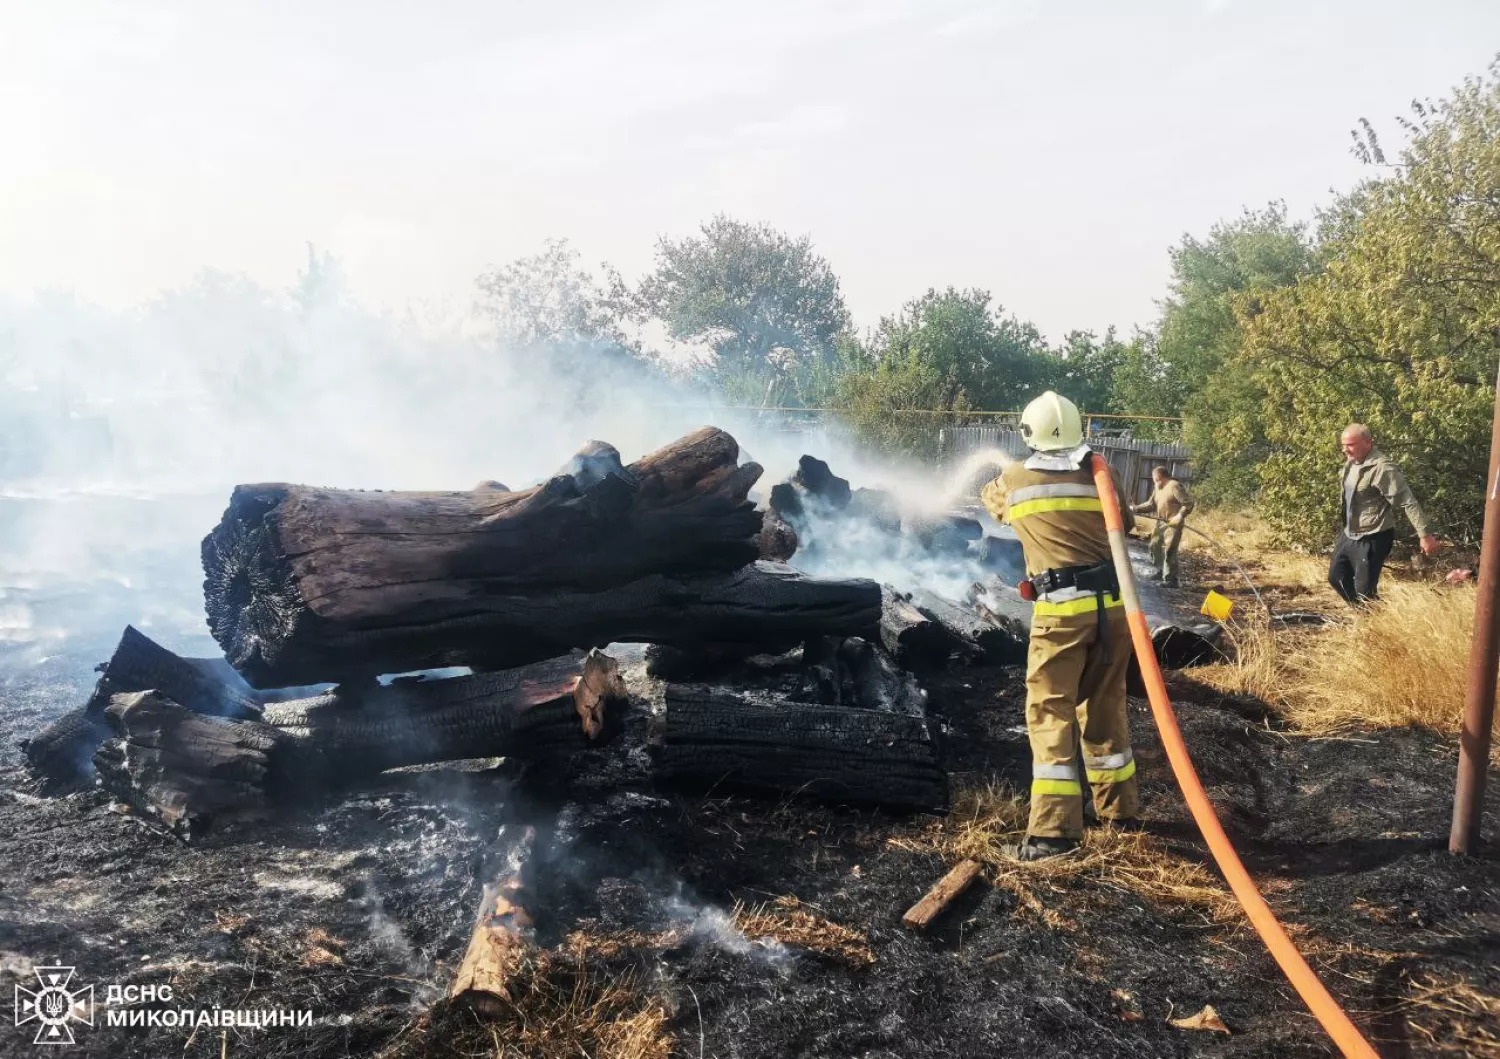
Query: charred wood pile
[(983, 618), (768, 667), (836, 720)]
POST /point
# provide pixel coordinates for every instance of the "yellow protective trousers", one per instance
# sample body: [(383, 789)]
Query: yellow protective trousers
[(1076, 684)]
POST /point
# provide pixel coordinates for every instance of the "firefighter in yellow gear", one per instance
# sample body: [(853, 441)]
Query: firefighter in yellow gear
[(1080, 642)]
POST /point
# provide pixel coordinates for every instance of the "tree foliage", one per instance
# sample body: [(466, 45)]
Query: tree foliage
[(548, 299), (945, 352), (1085, 368), (766, 305), (1400, 330), (547, 306), (1194, 368)]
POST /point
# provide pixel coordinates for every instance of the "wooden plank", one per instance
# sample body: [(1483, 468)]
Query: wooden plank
[(948, 889)]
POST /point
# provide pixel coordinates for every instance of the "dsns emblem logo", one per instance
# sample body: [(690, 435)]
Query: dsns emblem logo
[(54, 1005)]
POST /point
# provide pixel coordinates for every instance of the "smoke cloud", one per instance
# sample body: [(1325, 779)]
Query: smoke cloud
[(123, 432)]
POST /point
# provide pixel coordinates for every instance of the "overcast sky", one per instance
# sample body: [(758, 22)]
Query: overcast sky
[(1050, 153)]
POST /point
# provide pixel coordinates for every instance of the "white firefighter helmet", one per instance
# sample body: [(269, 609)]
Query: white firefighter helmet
[(1051, 423)]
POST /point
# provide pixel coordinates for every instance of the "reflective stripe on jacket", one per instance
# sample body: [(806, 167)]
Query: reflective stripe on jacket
[(1060, 523)]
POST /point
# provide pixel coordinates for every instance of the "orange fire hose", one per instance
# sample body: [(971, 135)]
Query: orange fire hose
[(1319, 1001)]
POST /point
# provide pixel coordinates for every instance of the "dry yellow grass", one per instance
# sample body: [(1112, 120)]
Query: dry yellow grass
[(1401, 661), (786, 921), (560, 1009), (1243, 537), (585, 944), (985, 819), (1454, 1017), (1257, 662)]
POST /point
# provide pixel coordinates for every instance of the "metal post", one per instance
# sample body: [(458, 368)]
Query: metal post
[(1479, 700)]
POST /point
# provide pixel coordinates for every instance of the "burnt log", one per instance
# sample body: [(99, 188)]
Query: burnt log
[(1001, 604), (786, 501), (712, 738), (913, 639), (186, 769), (778, 541), (306, 585), (62, 753), (503, 941), (815, 478), (877, 684), (1002, 556), (766, 604), (944, 534), (980, 635)]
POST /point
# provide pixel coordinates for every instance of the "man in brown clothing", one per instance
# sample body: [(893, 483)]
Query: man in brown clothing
[(1080, 639), (1372, 490), (1170, 504)]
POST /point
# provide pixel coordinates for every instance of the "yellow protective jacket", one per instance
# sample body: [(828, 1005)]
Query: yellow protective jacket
[(1057, 515)]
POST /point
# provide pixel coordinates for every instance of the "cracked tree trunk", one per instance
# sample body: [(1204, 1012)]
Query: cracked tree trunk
[(306, 585)]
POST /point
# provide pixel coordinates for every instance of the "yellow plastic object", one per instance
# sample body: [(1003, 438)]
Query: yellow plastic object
[(1216, 606)]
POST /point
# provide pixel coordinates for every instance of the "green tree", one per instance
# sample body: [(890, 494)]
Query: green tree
[(547, 308), (765, 304), (948, 353), (548, 299), (1083, 369), (1195, 369), (1400, 330)]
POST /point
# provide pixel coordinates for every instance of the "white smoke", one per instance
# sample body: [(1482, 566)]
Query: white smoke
[(122, 434)]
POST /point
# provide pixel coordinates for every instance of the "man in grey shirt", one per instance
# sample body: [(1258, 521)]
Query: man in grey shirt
[(1373, 488)]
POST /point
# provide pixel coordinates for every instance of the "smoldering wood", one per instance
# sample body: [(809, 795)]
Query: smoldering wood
[(786, 501), (770, 605), (504, 935), (778, 540), (982, 636), (715, 738), (1001, 605), (911, 638), (1002, 556), (186, 769), (944, 534), (306, 585), (877, 683), (713, 661), (826, 670), (814, 477), (62, 753), (877, 506)]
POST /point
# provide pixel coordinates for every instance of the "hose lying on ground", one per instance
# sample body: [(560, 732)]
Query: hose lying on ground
[(1224, 552), (1299, 617), (1319, 1001)]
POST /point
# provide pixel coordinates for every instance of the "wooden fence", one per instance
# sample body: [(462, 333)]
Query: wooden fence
[(1132, 459)]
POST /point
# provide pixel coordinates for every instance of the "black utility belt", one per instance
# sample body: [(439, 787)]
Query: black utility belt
[(1098, 578)]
